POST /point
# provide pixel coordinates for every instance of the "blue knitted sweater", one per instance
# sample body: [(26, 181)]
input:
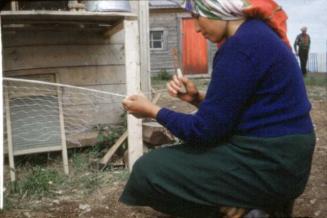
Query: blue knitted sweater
[(256, 89)]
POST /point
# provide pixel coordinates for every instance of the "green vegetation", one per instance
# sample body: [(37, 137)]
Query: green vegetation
[(163, 75), (316, 79), (43, 176), (37, 182)]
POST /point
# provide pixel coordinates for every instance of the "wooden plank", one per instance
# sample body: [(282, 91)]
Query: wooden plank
[(114, 29), (132, 60), (26, 37), (1, 124), (88, 116), (38, 150), (9, 139), (79, 97), (113, 149), (143, 18), (63, 135), (92, 75), (14, 5), (79, 76), (62, 16), (62, 56)]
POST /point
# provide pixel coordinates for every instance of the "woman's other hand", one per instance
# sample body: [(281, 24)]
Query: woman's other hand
[(140, 107), (191, 93)]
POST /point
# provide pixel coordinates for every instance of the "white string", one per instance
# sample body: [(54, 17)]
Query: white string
[(70, 86), (62, 85)]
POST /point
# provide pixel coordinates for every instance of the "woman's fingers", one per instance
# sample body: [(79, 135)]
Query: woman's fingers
[(176, 80), (173, 88)]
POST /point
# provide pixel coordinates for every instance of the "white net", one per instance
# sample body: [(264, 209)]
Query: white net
[(41, 113)]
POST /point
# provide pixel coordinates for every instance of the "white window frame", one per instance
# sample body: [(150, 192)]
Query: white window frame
[(163, 39)]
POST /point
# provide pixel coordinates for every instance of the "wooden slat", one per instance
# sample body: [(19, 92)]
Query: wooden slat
[(114, 29), (38, 150), (79, 76), (143, 19), (93, 114), (62, 16), (132, 60), (62, 131), (1, 124), (26, 37), (9, 139), (80, 97), (113, 149), (62, 56), (92, 75)]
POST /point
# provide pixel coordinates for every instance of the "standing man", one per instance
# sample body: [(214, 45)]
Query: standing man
[(302, 47)]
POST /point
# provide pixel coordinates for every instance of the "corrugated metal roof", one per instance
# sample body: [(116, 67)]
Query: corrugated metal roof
[(162, 4)]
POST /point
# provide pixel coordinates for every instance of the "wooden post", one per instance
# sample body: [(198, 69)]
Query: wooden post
[(143, 18), (62, 131), (9, 138), (132, 61), (14, 5), (1, 124)]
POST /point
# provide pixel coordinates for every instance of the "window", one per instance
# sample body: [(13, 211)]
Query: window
[(157, 39)]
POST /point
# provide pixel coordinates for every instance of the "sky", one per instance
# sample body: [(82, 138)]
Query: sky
[(310, 13)]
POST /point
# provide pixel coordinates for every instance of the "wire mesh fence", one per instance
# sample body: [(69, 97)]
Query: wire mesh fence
[(317, 63)]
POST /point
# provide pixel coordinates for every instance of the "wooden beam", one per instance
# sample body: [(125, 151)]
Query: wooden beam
[(143, 18), (62, 131), (9, 139), (132, 61), (14, 5), (113, 29), (42, 149), (1, 123), (104, 161), (60, 16)]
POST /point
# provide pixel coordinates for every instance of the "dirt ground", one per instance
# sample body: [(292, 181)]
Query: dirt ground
[(103, 201)]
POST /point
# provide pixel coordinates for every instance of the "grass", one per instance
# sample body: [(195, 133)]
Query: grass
[(38, 181), (316, 79)]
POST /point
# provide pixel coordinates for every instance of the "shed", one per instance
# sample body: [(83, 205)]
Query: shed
[(90, 50), (171, 27)]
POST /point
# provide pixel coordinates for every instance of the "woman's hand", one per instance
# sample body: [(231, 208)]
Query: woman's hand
[(191, 93), (140, 106)]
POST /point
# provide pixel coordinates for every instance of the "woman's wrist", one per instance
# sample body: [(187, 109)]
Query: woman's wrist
[(154, 111), (197, 99)]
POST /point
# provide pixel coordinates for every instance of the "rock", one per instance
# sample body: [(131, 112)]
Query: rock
[(56, 201), (85, 207), (317, 213), (27, 214), (313, 201)]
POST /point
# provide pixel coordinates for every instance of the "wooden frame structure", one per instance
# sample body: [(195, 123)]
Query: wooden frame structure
[(132, 42), (11, 147)]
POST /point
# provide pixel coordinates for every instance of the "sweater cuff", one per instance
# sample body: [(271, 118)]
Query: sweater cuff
[(163, 116)]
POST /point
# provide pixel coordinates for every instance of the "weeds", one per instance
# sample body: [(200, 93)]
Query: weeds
[(37, 183), (316, 79)]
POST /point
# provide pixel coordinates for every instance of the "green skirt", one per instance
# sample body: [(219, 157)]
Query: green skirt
[(249, 172)]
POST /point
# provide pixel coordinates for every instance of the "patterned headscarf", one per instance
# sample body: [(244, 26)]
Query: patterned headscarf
[(267, 10)]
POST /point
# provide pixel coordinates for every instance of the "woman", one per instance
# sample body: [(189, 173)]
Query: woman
[(250, 143)]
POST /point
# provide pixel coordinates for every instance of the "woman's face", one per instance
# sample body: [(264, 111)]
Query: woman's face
[(213, 30)]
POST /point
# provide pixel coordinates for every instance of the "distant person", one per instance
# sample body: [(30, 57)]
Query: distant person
[(302, 47)]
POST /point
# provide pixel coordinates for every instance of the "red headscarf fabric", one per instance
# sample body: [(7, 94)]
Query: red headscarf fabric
[(267, 10), (271, 13)]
